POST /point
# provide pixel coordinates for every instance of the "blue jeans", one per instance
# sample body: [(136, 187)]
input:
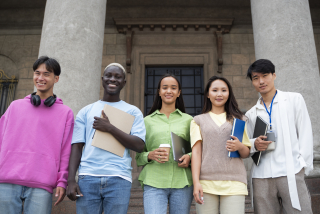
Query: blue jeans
[(111, 194), (155, 200), (35, 200)]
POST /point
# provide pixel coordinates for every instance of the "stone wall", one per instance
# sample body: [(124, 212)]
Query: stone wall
[(21, 51), (238, 54), (20, 31)]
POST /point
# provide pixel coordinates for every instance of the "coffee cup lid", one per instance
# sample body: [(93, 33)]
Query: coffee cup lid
[(165, 145)]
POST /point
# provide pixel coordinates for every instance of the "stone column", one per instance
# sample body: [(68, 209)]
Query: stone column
[(283, 33), (73, 33)]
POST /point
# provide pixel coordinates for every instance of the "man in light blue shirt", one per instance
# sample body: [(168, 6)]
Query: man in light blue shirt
[(104, 181)]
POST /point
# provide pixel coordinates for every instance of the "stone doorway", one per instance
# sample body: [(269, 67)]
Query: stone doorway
[(159, 57)]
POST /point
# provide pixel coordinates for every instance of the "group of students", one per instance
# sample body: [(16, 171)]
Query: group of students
[(42, 147)]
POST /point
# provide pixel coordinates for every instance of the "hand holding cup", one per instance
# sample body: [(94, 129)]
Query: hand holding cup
[(161, 155)]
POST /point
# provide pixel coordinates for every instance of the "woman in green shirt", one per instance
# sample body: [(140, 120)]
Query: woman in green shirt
[(166, 181)]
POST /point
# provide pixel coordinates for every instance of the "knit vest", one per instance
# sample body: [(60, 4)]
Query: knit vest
[(215, 163)]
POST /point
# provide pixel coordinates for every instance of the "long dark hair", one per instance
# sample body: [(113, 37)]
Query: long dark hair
[(157, 103), (231, 106)]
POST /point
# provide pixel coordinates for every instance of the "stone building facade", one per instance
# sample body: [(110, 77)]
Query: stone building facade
[(85, 37)]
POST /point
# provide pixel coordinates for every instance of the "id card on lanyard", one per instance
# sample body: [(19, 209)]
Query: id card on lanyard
[(270, 132)]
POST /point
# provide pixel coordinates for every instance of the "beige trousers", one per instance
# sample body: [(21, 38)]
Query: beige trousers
[(271, 195), (229, 204)]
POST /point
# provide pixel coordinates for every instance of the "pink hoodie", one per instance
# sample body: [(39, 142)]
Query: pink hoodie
[(35, 144)]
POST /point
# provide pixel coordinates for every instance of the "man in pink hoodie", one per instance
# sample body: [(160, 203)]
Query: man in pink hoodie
[(35, 144)]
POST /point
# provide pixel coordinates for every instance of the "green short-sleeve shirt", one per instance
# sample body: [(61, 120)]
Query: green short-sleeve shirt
[(158, 131)]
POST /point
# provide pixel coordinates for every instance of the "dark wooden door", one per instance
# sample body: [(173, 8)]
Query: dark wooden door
[(191, 79)]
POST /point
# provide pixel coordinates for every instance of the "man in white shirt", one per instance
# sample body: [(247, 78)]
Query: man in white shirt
[(278, 180)]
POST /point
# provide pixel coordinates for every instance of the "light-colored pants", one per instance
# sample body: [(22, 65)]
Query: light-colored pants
[(229, 204), (268, 192), (35, 200)]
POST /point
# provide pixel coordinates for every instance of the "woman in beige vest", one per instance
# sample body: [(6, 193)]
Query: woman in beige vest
[(220, 182)]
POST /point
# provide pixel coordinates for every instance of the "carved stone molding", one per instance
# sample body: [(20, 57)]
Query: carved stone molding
[(219, 34), (219, 26), (123, 24), (129, 37)]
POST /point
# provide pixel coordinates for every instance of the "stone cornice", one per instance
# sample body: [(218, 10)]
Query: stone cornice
[(124, 24)]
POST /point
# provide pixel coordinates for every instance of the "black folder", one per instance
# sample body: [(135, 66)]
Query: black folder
[(260, 128)]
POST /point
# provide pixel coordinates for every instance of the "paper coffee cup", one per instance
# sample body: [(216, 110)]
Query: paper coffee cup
[(167, 148)]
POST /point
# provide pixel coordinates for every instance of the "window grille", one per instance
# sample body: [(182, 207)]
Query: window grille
[(191, 79), (7, 91)]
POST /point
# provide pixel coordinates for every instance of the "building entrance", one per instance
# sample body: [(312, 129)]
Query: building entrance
[(191, 79)]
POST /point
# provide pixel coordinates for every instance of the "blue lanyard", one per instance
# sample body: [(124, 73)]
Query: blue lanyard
[(269, 113)]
